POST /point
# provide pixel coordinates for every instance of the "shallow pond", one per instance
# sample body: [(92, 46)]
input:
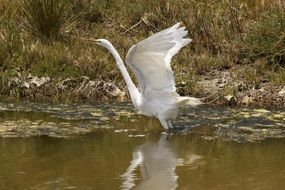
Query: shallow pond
[(111, 147)]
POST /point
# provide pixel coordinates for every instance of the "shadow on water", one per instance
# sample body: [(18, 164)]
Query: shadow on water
[(130, 152)]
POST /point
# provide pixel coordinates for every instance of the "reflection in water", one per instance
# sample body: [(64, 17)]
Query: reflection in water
[(157, 162), (129, 175)]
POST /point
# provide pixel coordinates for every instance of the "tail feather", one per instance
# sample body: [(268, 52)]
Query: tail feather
[(188, 101)]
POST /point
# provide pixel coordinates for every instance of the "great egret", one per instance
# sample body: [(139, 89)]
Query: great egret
[(150, 62), (157, 162)]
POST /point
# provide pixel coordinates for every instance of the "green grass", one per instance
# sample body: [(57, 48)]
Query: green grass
[(266, 38), (243, 36)]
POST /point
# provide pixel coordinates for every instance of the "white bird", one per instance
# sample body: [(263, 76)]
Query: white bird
[(157, 162), (150, 62)]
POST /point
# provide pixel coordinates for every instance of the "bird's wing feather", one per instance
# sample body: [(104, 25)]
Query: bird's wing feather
[(150, 60)]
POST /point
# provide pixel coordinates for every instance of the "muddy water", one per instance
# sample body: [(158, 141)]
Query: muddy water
[(110, 147)]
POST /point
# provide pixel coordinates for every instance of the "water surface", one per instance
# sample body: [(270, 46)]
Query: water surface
[(105, 147)]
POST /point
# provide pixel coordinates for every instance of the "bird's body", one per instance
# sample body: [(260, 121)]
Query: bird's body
[(150, 62)]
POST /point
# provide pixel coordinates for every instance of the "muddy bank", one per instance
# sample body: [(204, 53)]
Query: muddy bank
[(65, 121), (46, 89), (215, 89), (226, 88)]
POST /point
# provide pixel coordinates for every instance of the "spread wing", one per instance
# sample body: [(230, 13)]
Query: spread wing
[(150, 60)]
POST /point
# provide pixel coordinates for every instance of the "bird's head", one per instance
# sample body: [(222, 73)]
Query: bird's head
[(104, 43)]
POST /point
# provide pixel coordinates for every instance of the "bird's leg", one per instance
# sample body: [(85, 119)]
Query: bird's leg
[(169, 124), (175, 129), (171, 129), (164, 124)]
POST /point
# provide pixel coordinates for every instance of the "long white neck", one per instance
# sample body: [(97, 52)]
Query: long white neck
[(134, 92)]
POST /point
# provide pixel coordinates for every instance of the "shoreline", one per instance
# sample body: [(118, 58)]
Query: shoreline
[(212, 91), (71, 121)]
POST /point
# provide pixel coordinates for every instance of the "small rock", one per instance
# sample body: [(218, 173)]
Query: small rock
[(15, 81), (282, 92), (256, 86), (39, 81), (241, 87), (265, 131), (113, 90), (136, 135), (222, 85), (2, 37), (247, 129), (181, 84), (231, 100), (25, 85), (262, 89), (121, 130), (246, 100), (261, 111), (208, 138), (104, 118), (264, 80), (92, 83)]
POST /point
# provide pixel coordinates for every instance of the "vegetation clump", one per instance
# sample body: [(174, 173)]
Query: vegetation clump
[(45, 18)]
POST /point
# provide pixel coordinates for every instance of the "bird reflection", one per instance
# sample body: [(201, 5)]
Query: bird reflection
[(156, 162)]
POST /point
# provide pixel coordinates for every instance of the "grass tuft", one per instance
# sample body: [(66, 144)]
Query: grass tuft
[(47, 19)]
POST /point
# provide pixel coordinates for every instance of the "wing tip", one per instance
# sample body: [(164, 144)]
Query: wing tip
[(176, 26), (186, 41)]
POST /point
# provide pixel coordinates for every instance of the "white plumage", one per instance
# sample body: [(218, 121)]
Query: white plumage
[(150, 62)]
